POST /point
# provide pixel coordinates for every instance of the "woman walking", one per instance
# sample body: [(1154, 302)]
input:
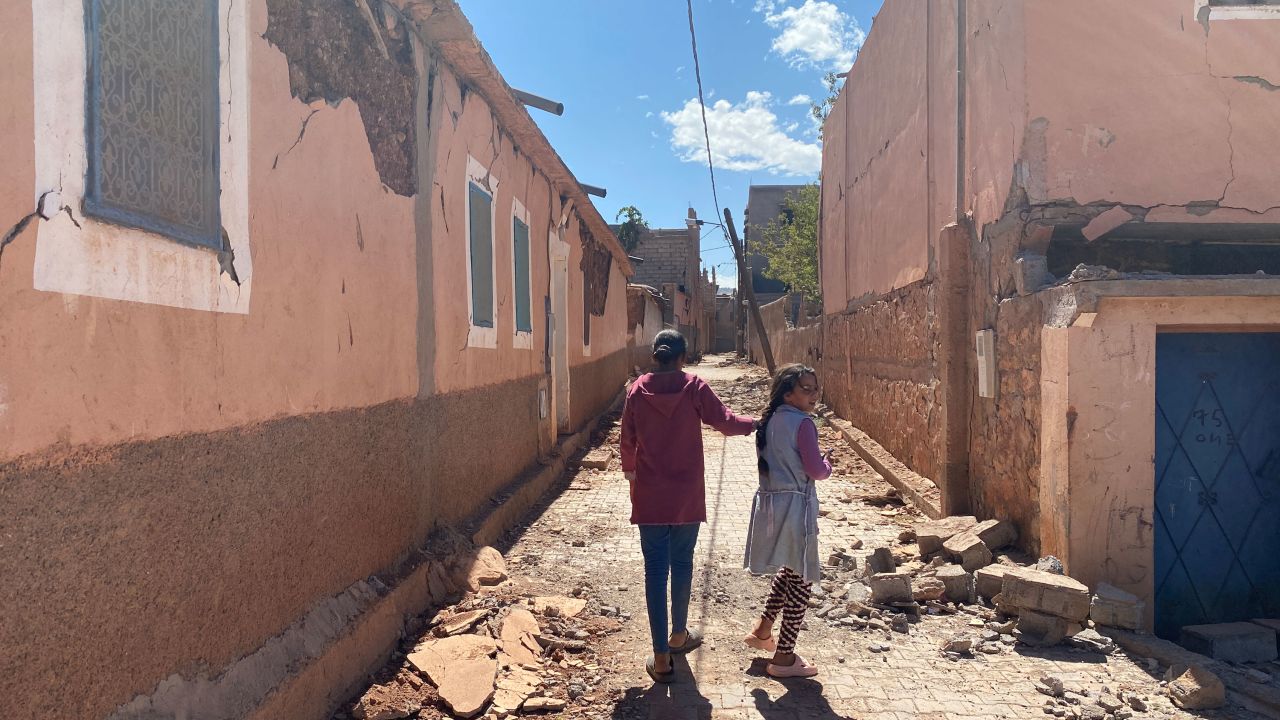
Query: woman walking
[(783, 537), (662, 461)]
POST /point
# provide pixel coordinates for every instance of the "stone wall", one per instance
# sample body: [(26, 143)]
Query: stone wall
[(789, 344), (1004, 442), (879, 368)]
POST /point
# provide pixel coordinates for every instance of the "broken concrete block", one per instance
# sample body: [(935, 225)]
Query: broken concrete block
[(927, 588), (1238, 642), (1041, 629), (487, 568), (989, 581), (520, 637), (969, 550), (460, 622), (958, 583), (1047, 593), (556, 606), (881, 561), (931, 535), (543, 704), (1273, 623), (996, 533), (1197, 689), (597, 459), (887, 588), (957, 644), (1030, 273), (1114, 607)]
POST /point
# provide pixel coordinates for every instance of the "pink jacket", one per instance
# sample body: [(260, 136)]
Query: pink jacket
[(662, 445)]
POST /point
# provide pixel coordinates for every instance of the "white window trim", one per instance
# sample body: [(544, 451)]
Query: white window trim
[(521, 340), (481, 337), (1240, 12), (89, 256)]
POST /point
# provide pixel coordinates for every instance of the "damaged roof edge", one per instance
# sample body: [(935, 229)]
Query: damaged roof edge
[(443, 25)]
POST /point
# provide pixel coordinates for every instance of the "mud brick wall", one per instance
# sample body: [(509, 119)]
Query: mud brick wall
[(880, 372), (1004, 444), (789, 345), (595, 384)]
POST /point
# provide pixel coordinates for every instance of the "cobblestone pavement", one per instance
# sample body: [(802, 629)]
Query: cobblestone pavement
[(582, 536)]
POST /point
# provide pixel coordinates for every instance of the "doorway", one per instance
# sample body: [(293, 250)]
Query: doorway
[(558, 251), (1217, 465)]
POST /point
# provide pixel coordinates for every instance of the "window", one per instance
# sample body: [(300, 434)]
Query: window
[(520, 275), (481, 188), (1238, 9), (152, 117)]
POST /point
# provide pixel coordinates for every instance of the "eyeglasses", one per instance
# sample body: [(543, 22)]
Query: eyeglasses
[(811, 389)]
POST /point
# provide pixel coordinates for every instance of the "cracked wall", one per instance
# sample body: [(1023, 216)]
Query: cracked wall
[(358, 51)]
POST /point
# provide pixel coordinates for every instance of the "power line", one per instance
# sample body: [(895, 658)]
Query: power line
[(697, 73)]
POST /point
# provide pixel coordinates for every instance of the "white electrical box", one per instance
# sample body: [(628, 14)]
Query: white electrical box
[(542, 403), (986, 342)]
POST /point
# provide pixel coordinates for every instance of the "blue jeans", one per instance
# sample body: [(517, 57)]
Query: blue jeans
[(668, 550)]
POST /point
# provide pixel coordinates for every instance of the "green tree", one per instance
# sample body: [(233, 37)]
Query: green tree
[(790, 243), (822, 109), (632, 228)]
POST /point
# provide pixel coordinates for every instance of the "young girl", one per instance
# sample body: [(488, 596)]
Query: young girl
[(662, 460), (783, 537)]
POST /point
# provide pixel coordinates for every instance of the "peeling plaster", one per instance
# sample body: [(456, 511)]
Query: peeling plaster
[(1259, 81)]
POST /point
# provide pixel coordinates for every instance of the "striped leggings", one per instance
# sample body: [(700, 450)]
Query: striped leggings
[(790, 595)]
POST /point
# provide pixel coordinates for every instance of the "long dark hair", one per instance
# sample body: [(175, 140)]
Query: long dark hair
[(668, 347), (787, 380)]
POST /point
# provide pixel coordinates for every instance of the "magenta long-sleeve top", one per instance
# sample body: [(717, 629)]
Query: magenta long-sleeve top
[(662, 445)]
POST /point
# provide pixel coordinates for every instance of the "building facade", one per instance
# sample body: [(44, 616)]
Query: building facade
[(1049, 279), (270, 269)]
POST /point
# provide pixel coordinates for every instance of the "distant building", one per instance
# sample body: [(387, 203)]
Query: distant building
[(765, 204)]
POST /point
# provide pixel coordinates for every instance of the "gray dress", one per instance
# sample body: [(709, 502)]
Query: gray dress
[(784, 514)]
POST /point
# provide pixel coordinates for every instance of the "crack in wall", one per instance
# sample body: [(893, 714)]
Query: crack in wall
[(302, 132)]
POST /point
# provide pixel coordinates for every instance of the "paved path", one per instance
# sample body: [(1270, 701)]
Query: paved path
[(725, 679)]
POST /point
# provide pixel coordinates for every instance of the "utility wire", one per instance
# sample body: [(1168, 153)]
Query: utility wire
[(697, 73)]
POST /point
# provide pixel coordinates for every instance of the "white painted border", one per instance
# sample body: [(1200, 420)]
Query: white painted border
[(88, 256), (481, 337), (1240, 12), (520, 340)]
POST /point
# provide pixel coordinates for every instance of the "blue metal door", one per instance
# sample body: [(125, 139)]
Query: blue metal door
[(1217, 525)]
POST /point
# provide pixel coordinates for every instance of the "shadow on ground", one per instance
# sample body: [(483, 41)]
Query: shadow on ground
[(679, 700)]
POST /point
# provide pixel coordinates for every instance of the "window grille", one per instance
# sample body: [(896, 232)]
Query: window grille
[(152, 117)]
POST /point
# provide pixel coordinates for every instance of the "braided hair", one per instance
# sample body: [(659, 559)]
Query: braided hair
[(787, 380)]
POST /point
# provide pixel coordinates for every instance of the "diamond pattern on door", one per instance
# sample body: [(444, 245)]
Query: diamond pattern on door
[(1217, 539)]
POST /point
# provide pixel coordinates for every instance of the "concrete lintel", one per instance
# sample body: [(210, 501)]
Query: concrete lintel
[(1067, 302)]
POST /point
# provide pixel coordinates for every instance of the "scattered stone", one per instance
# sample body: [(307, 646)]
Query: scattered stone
[(988, 581), (931, 535), (579, 543), (559, 606), (1040, 629), (1050, 685), (543, 704), (597, 459), (957, 583), (461, 622), (1114, 607), (385, 703), (462, 669), (927, 588), (1237, 642), (969, 550), (1050, 564), (957, 644), (1092, 712), (513, 688), (1136, 703), (996, 534), (487, 568), (1047, 593), (520, 637), (881, 561), (879, 647), (1197, 689), (1094, 641), (907, 536), (1110, 703), (899, 623), (889, 588)]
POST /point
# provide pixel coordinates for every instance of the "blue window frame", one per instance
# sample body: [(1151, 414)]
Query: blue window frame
[(480, 213), (520, 243), (152, 117)]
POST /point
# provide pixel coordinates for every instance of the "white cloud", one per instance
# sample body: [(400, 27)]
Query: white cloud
[(642, 97), (800, 99), (745, 136), (649, 114), (816, 34)]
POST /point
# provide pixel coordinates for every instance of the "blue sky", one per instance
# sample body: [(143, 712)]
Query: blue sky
[(624, 70)]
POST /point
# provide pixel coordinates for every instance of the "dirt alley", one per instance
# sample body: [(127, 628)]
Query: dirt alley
[(579, 543)]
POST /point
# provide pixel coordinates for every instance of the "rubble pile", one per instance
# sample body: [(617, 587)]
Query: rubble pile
[(496, 653)]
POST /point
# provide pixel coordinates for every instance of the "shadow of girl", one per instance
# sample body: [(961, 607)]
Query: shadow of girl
[(678, 700)]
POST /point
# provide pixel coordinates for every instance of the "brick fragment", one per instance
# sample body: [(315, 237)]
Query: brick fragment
[(931, 535), (996, 533), (889, 588), (1047, 593), (958, 583), (881, 561), (969, 550), (1114, 607)]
